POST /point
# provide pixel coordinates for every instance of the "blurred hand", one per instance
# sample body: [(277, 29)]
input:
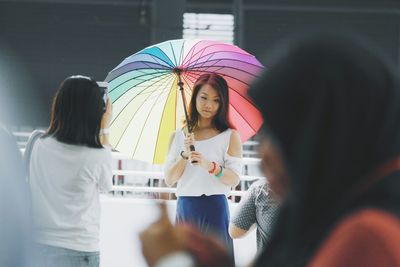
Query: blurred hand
[(107, 116), (160, 238)]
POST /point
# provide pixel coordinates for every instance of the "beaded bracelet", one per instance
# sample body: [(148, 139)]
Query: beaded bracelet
[(219, 175), (213, 168)]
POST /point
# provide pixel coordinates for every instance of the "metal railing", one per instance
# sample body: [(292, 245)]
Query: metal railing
[(121, 174), (162, 189)]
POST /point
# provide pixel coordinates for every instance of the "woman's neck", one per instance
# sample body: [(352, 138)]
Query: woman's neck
[(204, 124)]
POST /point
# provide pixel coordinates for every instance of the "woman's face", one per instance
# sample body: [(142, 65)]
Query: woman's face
[(273, 168), (207, 101)]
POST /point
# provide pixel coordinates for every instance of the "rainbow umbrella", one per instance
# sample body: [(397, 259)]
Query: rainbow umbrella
[(148, 106)]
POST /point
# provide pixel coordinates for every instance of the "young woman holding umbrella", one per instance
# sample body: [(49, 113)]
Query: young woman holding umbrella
[(204, 177)]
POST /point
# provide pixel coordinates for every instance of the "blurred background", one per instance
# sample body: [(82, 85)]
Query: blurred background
[(44, 41)]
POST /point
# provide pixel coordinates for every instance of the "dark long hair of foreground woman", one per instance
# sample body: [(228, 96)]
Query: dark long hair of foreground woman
[(333, 107)]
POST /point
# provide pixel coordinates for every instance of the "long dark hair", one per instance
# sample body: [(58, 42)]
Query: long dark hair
[(221, 121), (76, 112), (332, 105)]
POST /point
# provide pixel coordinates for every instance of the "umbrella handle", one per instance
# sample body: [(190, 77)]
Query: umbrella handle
[(193, 149)]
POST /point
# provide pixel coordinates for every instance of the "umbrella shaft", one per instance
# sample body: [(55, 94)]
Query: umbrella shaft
[(180, 85)]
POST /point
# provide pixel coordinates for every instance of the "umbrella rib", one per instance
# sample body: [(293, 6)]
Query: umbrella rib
[(184, 58), (222, 51), (158, 57), (136, 111), (220, 59), (147, 93), (138, 77), (151, 67), (202, 51), (223, 74), (187, 90), (206, 66), (247, 122), (191, 51), (201, 64), (181, 55), (155, 57), (127, 125), (173, 52), (139, 70), (164, 72), (137, 85), (162, 116), (156, 90), (190, 75), (144, 62), (146, 73), (210, 45), (242, 96), (148, 115)]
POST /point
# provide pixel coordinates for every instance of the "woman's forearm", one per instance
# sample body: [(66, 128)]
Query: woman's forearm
[(230, 178), (173, 174)]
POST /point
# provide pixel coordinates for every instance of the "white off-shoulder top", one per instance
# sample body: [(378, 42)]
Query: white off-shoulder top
[(196, 181)]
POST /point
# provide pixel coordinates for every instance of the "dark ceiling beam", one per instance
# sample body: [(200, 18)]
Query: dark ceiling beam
[(324, 9), (216, 6), (129, 3)]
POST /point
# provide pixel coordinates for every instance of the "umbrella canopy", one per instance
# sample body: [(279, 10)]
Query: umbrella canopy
[(147, 105)]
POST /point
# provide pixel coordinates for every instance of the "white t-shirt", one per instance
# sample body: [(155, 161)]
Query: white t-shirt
[(65, 181), (195, 180)]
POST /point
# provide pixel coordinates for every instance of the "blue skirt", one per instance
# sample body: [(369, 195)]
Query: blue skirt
[(210, 214)]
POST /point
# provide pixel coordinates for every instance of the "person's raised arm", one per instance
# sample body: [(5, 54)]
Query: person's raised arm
[(105, 124), (161, 239), (244, 218)]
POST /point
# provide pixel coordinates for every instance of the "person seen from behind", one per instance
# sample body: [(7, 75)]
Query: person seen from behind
[(68, 166)]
